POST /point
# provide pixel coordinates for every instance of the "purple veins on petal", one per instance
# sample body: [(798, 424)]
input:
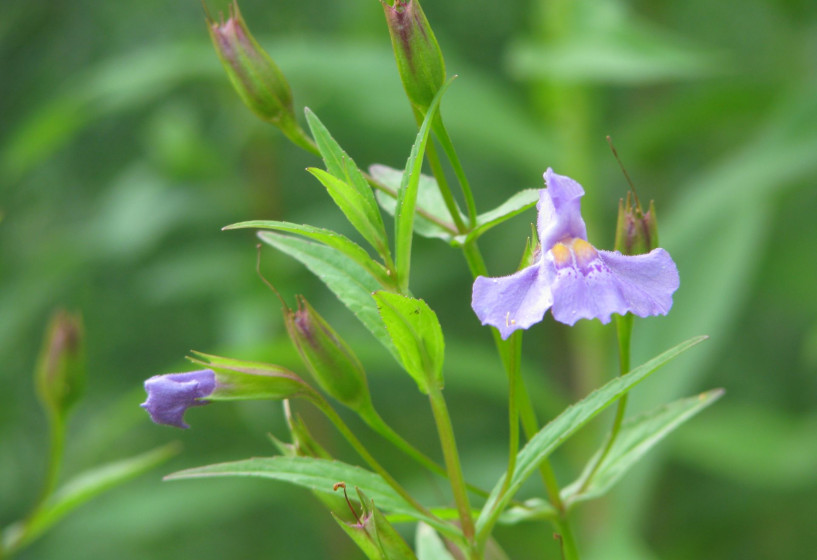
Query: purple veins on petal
[(170, 395)]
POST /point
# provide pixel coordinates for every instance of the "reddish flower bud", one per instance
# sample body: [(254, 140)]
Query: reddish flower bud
[(419, 59), (60, 373), (329, 359), (636, 230)]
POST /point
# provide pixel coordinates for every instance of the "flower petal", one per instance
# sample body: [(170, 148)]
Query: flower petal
[(647, 281), (640, 284), (560, 214), (170, 395), (512, 302)]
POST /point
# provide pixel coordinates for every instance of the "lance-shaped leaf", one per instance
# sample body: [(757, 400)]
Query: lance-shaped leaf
[(329, 238), (433, 219), (79, 490), (417, 335), (407, 195), (355, 199), (319, 475), (565, 425), (637, 436), (355, 208), (347, 279), (518, 203), (429, 544)]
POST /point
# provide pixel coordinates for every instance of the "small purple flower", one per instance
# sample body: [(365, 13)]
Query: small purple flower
[(170, 395), (570, 276)]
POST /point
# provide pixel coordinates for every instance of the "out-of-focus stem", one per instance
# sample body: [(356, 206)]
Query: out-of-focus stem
[(624, 330)]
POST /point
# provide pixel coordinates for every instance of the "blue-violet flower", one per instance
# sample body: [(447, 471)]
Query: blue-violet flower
[(170, 395), (571, 277)]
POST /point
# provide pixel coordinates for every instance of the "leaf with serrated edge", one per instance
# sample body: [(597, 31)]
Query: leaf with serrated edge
[(637, 436), (567, 423), (354, 207), (339, 164), (347, 280), (327, 237), (315, 474), (407, 195), (417, 335), (518, 203)]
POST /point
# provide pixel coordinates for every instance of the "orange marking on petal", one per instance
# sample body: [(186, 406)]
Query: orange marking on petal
[(561, 254), (584, 251)]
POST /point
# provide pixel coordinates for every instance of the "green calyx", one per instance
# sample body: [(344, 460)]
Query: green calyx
[(328, 358)]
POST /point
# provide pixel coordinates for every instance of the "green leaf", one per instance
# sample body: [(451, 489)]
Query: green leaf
[(417, 335), (328, 238), (342, 167), (382, 532), (79, 490), (407, 195), (567, 423), (637, 436), (319, 475), (429, 544), (518, 203), (356, 210), (433, 219), (347, 279)]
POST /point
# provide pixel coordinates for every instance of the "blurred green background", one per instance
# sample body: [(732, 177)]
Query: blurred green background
[(123, 151)]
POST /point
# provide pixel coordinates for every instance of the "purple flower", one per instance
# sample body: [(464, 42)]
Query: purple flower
[(170, 395), (570, 276)]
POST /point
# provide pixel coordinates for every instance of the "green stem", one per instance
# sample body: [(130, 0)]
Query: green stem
[(451, 153), (55, 454), (624, 330), (515, 352), (452, 462), (298, 136), (442, 183), (375, 184), (530, 424), (376, 422), (347, 433)]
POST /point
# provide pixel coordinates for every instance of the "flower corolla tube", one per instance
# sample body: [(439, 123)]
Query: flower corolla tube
[(571, 277), (170, 395)]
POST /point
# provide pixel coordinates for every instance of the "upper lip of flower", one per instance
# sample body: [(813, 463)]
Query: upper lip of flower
[(570, 276)]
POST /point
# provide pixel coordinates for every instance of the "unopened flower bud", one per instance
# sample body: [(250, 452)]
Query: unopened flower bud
[(329, 359), (419, 59), (255, 76), (636, 230), (170, 395), (60, 374)]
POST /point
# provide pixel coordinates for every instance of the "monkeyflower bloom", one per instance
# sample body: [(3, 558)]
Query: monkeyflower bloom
[(571, 277)]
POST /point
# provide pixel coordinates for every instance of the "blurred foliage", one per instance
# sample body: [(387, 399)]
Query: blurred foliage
[(123, 151)]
